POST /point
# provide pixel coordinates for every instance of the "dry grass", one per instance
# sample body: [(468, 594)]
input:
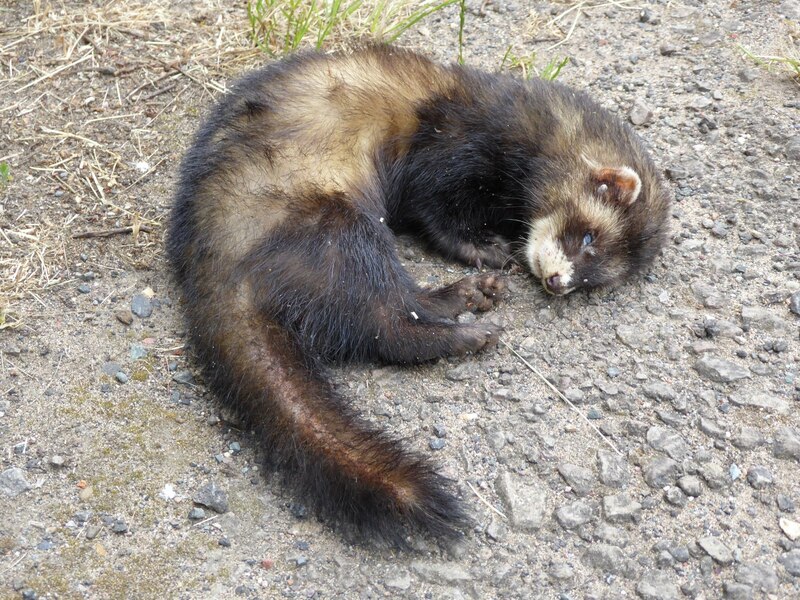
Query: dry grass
[(85, 93)]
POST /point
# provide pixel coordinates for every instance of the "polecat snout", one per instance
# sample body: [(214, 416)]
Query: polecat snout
[(282, 242), (585, 240)]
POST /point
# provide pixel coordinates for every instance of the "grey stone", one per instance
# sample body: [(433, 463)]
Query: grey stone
[(609, 559), (573, 515), (621, 508), (785, 504), (725, 329), (659, 391), (761, 577), (92, 531), (121, 377), (636, 337), (613, 469), (708, 295), (13, 482), (716, 550), (119, 526), (748, 438), (667, 441), (660, 472), (791, 562), (711, 428), (211, 496), (436, 443), (656, 585), (762, 318), (759, 477), (700, 103), (197, 514), (720, 370), (736, 591), (690, 485), (794, 303), (691, 589), (580, 479), (462, 372), (640, 113), (526, 503), (668, 49), (141, 306), (680, 553), (714, 475), (137, 351), (440, 573), (184, 377), (790, 528), (611, 535), (787, 444), (674, 496), (497, 530), (767, 402)]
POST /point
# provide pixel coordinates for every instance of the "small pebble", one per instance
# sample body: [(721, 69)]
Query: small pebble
[(436, 443), (141, 306), (197, 514)]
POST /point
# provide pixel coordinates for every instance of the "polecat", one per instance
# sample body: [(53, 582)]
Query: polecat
[(282, 242)]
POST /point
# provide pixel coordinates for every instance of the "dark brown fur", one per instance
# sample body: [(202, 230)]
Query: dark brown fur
[(282, 243)]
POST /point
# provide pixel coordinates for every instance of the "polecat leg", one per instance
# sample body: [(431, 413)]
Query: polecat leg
[(493, 253), (334, 278), (476, 293)]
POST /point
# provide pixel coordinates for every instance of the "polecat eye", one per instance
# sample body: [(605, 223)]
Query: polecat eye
[(587, 239)]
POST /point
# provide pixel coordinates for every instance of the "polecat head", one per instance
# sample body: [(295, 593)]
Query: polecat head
[(595, 235)]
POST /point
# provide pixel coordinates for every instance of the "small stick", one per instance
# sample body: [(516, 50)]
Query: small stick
[(158, 92), (110, 232), (204, 521), (563, 397), (485, 501), (11, 565)]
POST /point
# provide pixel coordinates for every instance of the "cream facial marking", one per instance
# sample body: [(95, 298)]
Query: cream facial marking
[(545, 257)]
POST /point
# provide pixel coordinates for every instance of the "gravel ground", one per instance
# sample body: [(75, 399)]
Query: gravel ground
[(121, 477)]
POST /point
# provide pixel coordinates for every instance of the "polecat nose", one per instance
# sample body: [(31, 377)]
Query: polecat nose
[(553, 284)]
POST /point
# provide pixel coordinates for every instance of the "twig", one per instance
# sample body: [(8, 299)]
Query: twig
[(15, 563), (158, 92), (562, 396), (485, 501), (109, 232), (204, 521)]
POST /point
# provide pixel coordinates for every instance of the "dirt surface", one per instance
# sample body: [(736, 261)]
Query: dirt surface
[(113, 456)]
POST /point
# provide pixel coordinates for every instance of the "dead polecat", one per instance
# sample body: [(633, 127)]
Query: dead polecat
[(282, 242)]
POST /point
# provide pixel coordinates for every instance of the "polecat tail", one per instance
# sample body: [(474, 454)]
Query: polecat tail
[(338, 461)]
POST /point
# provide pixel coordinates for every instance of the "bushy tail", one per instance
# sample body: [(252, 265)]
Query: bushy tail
[(351, 471)]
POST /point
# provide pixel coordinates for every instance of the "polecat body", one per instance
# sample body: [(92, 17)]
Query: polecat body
[(282, 241)]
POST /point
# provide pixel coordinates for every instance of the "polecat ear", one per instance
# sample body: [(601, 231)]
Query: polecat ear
[(620, 185)]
